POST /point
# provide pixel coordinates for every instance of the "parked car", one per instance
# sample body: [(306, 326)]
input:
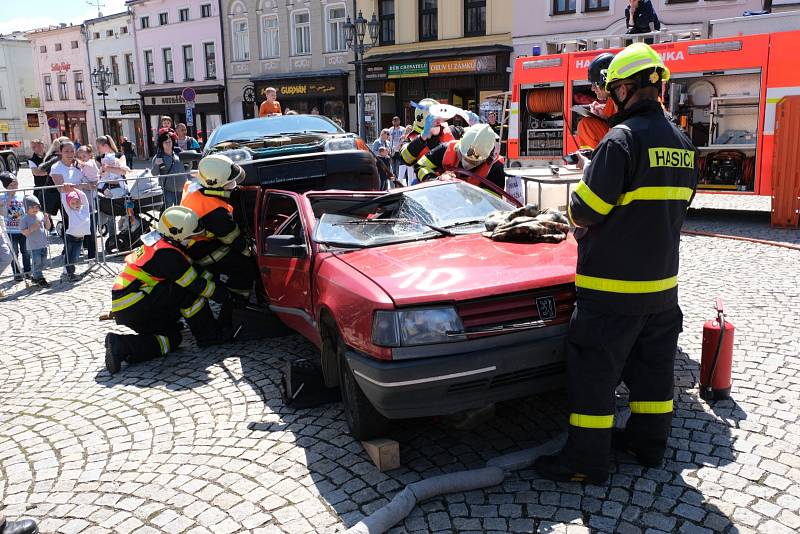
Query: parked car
[(414, 311), (290, 151)]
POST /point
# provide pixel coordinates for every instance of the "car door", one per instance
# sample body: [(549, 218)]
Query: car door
[(285, 259)]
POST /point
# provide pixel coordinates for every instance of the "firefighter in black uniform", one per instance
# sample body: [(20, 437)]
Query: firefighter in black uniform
[(222, 249), (417, 145), (629, 209), (158, 286)]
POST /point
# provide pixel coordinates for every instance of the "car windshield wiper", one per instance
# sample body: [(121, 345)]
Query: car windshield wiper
[(439, 229), (464, 223)]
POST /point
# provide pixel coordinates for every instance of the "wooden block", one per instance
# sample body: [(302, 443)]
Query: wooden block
[(384, 452)]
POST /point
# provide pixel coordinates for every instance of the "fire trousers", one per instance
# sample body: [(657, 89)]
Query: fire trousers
[(156, 321), (603, 348)]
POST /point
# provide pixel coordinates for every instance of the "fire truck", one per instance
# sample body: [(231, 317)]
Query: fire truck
[(722, 92)]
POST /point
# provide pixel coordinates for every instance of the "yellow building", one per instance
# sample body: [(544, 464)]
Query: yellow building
[(456, 51)]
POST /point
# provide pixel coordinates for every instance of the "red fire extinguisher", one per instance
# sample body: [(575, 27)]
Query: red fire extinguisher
[(717, 359)]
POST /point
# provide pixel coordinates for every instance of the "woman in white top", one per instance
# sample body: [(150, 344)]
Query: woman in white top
[(112, 184)]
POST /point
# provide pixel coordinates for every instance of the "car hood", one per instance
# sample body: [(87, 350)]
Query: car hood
[(463, 267)]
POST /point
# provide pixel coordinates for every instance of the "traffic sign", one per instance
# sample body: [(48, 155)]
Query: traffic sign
[(52, 122), (188, 94), (189, 116)]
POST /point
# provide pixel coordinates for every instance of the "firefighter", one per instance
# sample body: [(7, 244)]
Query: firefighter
[(222, 249), (629, 208), (474, 152), (419, 144), (158, 286), (592, 129)]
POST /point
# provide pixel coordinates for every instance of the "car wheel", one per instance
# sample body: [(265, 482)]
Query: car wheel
[(12, 163), (364, 421), (3, 167)]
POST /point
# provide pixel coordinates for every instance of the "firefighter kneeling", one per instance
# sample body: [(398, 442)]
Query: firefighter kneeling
[(222, 249), (474, 153), (158, 286)]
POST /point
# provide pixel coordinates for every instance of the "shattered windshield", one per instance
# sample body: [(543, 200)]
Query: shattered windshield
[(446, 209)]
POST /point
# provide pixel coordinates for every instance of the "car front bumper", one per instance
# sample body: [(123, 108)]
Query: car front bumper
[(471, 374)]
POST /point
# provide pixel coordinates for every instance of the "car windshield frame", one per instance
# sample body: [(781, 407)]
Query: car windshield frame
[(260, 128), (409, 215)]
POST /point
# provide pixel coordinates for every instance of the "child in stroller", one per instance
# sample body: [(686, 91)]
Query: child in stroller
[(133, 207)]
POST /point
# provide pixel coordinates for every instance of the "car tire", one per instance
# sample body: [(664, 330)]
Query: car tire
[(364, 421), (3, 167), (12, 163)]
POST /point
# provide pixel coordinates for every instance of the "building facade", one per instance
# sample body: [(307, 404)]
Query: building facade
[(61, 70), (296, 46), (110, 43), (456, 51), (179, 47), (19, 93), (538, 21)]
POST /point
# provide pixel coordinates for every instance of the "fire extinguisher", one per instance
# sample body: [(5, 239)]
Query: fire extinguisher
[(717, 358)]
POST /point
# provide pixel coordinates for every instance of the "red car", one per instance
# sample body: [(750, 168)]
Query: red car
[(415, 312)]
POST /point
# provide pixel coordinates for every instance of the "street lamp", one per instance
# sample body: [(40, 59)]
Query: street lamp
[(101, 80), (354, 33)]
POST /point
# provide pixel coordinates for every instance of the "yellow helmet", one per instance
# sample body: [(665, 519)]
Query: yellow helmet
[(218, 171), (636, 58), (178, 223), (421, 114), (477, 144)]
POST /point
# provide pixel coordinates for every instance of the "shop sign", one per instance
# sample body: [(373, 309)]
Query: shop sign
[(4, 128), (375, 72), (33, 120), (463, 65), (32, 102), (60, 67), (178, 100), (307, 89), (129, 109), (416, 69)]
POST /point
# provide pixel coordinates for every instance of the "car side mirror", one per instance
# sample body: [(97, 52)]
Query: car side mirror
[(190, 158), (286, 246)]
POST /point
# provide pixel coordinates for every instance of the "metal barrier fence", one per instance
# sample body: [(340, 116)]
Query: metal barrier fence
[(120, 212)]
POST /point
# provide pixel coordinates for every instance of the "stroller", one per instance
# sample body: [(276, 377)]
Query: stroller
[(133, 207)]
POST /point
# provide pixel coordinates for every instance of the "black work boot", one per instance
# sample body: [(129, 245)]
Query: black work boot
[(620, 442), (116, 352), (556, 467), (24, 526)]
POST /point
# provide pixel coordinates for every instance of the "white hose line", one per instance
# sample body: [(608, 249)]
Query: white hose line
[(493, 474)]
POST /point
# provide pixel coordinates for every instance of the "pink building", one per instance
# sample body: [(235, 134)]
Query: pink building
[(62, 73), (179, 46)]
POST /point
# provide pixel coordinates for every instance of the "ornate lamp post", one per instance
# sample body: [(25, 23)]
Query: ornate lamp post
[(354, 35), (101, 80)]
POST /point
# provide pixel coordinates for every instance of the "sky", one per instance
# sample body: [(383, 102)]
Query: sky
[(17, 15)]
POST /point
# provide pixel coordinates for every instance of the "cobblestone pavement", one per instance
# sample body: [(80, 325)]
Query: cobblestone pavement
[(201, 442)]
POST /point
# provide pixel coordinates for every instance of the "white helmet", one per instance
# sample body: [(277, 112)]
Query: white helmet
[(421, 114), (477, 144), (218, 171), (179, 223)]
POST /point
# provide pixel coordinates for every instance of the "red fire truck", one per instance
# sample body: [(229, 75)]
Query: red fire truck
[(722, 92)]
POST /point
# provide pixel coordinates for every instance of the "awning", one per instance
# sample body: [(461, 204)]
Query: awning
[(439, 53), (295, 75), (177, 90)]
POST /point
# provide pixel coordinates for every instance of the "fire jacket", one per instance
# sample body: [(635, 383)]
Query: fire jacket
[(418, 147), (157, 263), (631, 204), (447, 158), (222, 234)]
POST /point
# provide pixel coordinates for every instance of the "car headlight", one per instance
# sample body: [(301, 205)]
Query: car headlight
[(424, 326), (340, 143), (238, 155)]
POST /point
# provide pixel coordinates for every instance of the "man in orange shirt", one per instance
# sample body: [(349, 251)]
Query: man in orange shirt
[(592, 129), (270, 106)]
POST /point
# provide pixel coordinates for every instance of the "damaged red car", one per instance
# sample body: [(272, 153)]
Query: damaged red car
[(415, 312)]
